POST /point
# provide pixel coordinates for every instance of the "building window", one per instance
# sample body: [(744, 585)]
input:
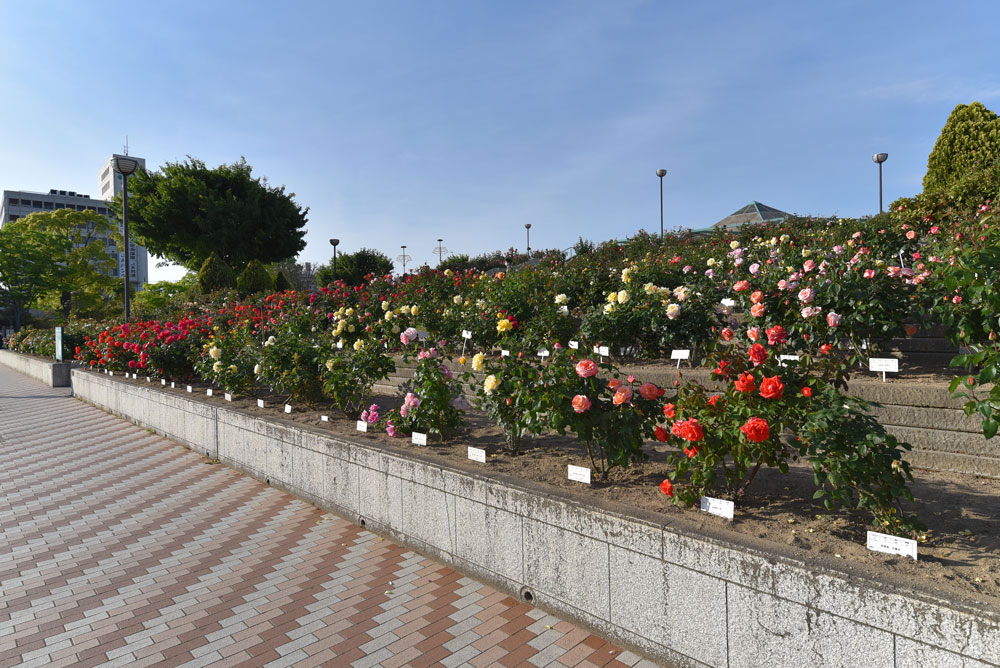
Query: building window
[(104, 174), (36, 204), (11, 218), (48, 205), (102, 210), (15, 202)]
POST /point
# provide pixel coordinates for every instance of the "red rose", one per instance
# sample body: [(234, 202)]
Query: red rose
[(758, 354), (668, 411), (667, 487), (745, 383), (807, 391), (715, 400), (826, 348), (614, 384), (771, 388), (776, 335), (662, 434), (756, 430), (727, 334), (689, 430), (691, 452)]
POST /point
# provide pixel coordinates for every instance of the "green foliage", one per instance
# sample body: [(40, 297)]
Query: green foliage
[(254, 279), (509, 394), (352, 268), (215, 274), (186, 211), (348, 376), (437, 407), (288, 360), (281, 282), (30, 264), (969, 142), (165, 300), (455, 263), (227, 360)]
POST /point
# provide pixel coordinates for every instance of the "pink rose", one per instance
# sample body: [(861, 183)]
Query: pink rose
[(623, 395), (832, 319), (869, 273), (581, 404), (586, 368), (615, 383), (776, 335), (757, 310), (741, 286), (649, 391), (911, 235), (753, 333), (806, 295), (808, 266)]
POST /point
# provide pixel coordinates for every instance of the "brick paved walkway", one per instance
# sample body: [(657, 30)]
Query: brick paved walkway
[(118, 547)]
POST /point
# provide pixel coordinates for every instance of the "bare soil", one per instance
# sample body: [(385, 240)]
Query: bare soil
[(959, 556)]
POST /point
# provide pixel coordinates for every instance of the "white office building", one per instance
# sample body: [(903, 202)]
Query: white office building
[(19, 203)]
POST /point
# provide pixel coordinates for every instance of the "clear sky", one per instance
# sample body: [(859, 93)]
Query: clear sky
[(404, 122)]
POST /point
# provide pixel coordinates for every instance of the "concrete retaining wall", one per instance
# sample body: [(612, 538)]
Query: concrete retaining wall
[(53, 374), (683, 598)]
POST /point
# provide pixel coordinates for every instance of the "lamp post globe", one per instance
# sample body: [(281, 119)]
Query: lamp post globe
[(661, 173), (125, 166), (879, 158)]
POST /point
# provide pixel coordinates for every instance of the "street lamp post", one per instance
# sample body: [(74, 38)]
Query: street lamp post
[(661, 173), (880, 158), (403, 258), (334, 243), (527, 232), (125, 166)]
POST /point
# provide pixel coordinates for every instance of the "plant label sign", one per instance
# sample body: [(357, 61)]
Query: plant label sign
[(418, 439), (597, 350), (603, 351), (477, 455), (190, 389), (883, 364), (208, 392), (880, 542), (163, 381), (543, 353), (340, 345), (228, 396), (578, 474), (149, 379), (466, 334), (111, 373), (59, 344), (680, 355), (719, 507), (504, 353), (787, 358), (362, 425), (574, 345), (324, 418), (260, 403), (135, 376), (288, 408)]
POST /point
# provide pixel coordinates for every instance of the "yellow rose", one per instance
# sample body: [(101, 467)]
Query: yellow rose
[(504, 326), (491, 383), (622, 297), (329, 364), (477, 362), (734, 244), (462, 360), (612, 297), (215, 353), (359, 344), (414, 310), (385, 305)]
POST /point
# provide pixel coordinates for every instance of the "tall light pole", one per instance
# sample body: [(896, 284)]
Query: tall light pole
[(403, 258), (661, 173), (334, 243), (440, 250), (527, 231), (880, 158), (125, 166)]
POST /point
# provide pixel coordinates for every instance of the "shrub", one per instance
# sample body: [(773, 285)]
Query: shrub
[(254, 279), (348, 375), (215, 274), (281, 282)]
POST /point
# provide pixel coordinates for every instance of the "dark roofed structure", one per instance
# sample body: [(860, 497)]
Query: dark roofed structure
[(754, 212)]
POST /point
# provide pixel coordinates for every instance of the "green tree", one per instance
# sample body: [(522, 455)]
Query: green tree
[(186, 211), (85, 265), (281, 282), (353, 267), (254, 279), (969, 143), (164, 300), (29, 265), (215, 274)]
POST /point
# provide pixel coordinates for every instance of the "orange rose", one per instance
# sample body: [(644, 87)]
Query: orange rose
[(756, 430), (650, 392), (581, 404), (771, 388), (623, 395), (586, 368)]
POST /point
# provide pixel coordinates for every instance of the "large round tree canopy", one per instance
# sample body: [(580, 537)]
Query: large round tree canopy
[(186, 211), (969, 142)]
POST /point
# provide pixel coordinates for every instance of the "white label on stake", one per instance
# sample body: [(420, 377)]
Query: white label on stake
[(504, 353), (574, 345), (597, 350), (163, 381), (340, 345), (578, 473), (190, 389), (288, 408), (883, 364), (228, 396), (728, 302), (260, 403), (208, 392), (719, 507), (466, 334), (111, 373), (135, 376), (173, 385), (361, 425), (418, 439), (880, 542), (604, 352), (149, 379), (543, 353), (477, 455), (680, 354), (324, 418), (787, 358)]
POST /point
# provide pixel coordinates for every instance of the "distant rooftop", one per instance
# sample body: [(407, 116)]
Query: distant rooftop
[(754, 212)]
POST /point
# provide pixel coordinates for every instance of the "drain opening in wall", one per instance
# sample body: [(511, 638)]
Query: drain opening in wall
[(361, 522), (527, 595)]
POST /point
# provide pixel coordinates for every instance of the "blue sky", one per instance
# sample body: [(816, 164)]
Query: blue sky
[(404, 122)]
